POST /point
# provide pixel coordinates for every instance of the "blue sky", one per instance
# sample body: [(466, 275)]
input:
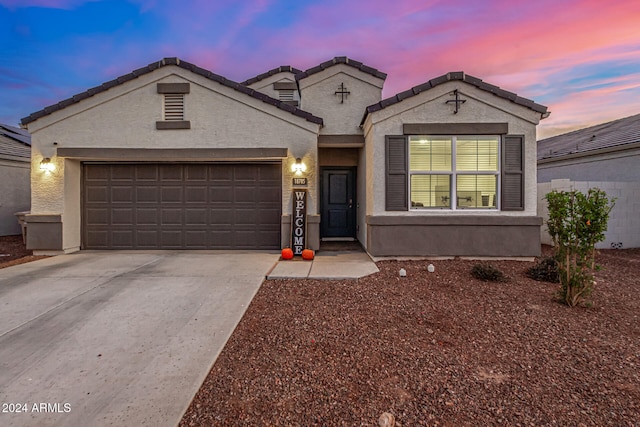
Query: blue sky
[(581, 58)]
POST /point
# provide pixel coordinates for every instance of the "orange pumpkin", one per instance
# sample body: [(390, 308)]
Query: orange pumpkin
[(307, 254), (287, 253)]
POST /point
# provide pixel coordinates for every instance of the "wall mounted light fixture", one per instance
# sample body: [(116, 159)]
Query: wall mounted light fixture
[(46, 165), (298, 167)]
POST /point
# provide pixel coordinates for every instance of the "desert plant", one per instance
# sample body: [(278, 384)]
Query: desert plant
[(546, 270), (487, 272), (577, 221)]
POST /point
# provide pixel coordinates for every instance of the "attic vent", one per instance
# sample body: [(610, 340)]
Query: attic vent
[(174, 106), (286, 95)]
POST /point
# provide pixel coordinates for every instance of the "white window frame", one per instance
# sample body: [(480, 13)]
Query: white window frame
[(453, 175)]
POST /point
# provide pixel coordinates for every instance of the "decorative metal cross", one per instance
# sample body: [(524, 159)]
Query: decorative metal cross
[(342, 91), (457, 101)]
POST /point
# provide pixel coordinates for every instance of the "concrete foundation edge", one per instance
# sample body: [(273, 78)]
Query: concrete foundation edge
[(453, 236)]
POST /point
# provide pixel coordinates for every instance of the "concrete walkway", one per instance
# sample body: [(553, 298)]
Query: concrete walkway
[(326, 265), (117, 338)]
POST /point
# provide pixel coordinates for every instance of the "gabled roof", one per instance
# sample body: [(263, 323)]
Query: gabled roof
[(461, 76), (179, 63), (621, 133), (280, 69), (341, 60), (14, 142)]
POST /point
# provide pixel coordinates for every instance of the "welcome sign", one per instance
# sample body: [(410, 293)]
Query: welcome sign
[(299, 221)]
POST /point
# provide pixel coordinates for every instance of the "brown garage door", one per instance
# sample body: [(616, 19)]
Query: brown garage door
[(181, 206)]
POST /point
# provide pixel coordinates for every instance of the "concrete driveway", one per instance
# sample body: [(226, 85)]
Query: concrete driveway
[(117, 338)]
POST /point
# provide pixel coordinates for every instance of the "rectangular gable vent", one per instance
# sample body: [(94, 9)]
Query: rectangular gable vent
[(286, 95), (174, 106)]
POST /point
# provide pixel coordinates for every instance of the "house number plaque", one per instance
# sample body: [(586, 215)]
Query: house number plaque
[(299, 221), (299, 181)]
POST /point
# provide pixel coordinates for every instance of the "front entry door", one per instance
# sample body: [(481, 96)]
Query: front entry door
[(338, 207)]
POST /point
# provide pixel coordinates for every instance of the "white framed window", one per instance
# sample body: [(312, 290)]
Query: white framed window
[(454, 172)]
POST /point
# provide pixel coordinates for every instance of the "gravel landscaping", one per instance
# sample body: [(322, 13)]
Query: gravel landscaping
[(13, 252), (439, 348)]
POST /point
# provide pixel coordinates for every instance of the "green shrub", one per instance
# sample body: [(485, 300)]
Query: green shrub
[(576, 223), (487, 272), (546, 270)]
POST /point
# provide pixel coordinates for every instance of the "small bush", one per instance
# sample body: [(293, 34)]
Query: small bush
[(546, 270), (576, 223), (487, 272)]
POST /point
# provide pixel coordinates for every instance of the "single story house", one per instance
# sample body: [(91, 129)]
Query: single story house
[(606, 156), (15, 166), (174, 156)]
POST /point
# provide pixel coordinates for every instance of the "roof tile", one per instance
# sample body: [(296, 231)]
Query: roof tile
[(616, 133), (457, 75), (182, 64)]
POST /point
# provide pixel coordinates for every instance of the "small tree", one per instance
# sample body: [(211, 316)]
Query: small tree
[(576, 223)]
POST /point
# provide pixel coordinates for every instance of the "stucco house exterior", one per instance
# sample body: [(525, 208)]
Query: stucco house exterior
[(15, 166), (606, 156), (175, 156)]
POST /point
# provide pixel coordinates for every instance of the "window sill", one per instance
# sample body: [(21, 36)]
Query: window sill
[(173, 124)]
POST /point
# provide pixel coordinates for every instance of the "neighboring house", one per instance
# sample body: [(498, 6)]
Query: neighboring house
[(175, 156), (15, 166), (606, 156)]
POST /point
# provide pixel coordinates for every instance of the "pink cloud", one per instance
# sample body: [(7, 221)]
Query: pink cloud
[(612, 99)]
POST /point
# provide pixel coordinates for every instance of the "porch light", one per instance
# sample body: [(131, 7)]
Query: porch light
[(298, 167), (46, 165)]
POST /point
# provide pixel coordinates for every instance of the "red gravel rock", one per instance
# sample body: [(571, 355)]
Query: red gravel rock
[(13, 251), (431, 349)]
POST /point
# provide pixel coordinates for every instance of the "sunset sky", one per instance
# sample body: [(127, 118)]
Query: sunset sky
[(580, 58)]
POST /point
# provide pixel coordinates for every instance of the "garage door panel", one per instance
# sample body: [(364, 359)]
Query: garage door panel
[(246, 217), (171, 195), (122, 173), (122, 216), (269, 195), (171, 239), (147, 195), (122, 239), (196, 216), (196, 239), (98, 239), (269, 216), (171, 217), (197, 173), (147, 239), (270, 175), (182, 206), (220, 239), (146, 173), (169, 173), (97, 194), (221, 194), (222, 217), (121, 194), (196, 195), (246, 194), (97, 216), (221, 173), (244, 175), (147, 216), (98, 173)]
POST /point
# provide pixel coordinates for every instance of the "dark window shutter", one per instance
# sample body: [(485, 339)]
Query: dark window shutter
[(513, 173), (396, 173)]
